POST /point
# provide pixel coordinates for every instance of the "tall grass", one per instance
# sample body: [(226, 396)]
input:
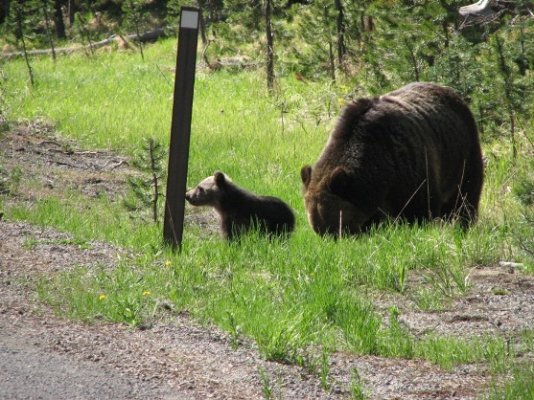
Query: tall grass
[(519, 388), (114, 101), (291, 296)]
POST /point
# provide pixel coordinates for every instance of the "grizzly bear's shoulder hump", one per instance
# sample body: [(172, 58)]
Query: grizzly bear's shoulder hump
[(353, 112), (421, 90)]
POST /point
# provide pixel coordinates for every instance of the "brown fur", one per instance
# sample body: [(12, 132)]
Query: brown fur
[(241, 210), (412, 154)]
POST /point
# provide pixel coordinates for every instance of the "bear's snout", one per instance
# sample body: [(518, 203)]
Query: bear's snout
[(195, 198), (189, 197)]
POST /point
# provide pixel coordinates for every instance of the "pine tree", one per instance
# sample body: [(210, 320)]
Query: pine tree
[(136, 18), (146, 190), (510, 94), (317, 28), (81, 23), (22, 15), (46, 8)]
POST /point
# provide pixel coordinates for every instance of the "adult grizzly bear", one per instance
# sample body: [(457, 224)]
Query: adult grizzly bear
[(241, 210), (412, 154)]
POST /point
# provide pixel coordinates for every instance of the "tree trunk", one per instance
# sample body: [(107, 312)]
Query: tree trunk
[(47, 25), (331, 59), (71, 11), (139, 42), (508, 80), (20, 18), (4, 10), (367, 24), (58, 20), (413, 59), (445, 29), (270, 49), (341, 49), (202, 22)]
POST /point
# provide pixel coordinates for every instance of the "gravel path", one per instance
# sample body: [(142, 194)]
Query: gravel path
[(42, 356), (30, 372), (50, 358)]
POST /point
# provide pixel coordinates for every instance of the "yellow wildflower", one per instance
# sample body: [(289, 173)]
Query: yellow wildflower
[(146, 293), (168, 263), (102, 297)]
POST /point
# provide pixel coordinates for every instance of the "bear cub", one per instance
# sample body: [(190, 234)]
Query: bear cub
[(241, 210)]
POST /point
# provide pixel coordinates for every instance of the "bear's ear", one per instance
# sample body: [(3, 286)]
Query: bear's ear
[(220, 179), (339, 182), (305, 175)]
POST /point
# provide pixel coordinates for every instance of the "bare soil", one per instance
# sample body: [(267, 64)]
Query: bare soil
[(44, 356)]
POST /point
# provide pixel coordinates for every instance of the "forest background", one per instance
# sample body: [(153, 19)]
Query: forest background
[(313, 39)]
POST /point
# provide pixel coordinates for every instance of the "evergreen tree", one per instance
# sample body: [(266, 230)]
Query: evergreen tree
[(81, 23), (317, 27), (46, 11), (146, 190), (512, 97), (135, 15), (22, 16)]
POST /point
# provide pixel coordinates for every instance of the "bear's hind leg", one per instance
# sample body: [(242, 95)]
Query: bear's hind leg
[(463, 206), (460, 209), (471, 189)]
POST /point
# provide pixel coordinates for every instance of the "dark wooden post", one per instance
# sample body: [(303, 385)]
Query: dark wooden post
[(173, 225)]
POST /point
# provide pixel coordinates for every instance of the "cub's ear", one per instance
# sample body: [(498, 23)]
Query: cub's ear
[(305, 175), (339, 182), (220, 178)]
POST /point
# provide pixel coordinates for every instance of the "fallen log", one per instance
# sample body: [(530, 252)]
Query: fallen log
[(143, 37)]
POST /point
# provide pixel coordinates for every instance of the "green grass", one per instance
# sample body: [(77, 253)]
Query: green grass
[(293, 296), (521, 387)]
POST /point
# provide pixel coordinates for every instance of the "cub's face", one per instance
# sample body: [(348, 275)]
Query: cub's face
[(207, 192), (327, 204)]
